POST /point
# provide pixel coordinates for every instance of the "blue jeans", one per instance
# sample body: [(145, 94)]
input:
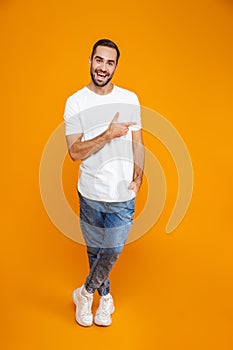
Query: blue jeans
[(105, 227)]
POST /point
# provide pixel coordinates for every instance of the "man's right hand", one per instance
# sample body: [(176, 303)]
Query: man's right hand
[(117, 129), (80, 150)]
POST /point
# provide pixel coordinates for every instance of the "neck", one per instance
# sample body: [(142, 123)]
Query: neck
[(101, 90)]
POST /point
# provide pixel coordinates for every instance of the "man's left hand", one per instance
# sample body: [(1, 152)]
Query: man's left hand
[(135, 185)]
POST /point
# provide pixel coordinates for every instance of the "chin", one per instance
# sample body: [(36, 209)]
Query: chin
[(101, 84)]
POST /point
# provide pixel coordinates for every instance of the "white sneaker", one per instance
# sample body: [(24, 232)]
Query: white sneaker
[(83, 302), (104, 311)]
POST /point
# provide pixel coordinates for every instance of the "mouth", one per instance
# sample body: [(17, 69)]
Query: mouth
[(101, 76)]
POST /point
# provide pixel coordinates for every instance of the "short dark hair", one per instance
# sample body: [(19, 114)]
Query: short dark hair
[(108, 43)]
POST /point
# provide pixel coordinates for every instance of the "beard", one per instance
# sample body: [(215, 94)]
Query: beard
[(100, 83)]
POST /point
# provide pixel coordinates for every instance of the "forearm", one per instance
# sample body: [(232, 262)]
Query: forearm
[(139, 157), (82, 149)]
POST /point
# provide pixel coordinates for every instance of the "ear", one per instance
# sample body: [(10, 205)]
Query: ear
[(89, 60)]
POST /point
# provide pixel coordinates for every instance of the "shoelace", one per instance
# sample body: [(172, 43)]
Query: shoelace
[(86, 306), (104, 307)]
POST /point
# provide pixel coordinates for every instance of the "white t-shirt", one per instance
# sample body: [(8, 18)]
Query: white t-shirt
[(106, 174)]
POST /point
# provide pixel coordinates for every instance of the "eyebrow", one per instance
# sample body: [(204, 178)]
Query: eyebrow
[(103, 59)]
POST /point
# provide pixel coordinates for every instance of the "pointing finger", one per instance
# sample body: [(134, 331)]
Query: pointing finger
[(129, 123)]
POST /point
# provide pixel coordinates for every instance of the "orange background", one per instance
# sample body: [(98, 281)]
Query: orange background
[(171, 291)]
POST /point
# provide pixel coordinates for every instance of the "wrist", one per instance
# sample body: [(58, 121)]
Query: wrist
[(107, 135), (137, 179)]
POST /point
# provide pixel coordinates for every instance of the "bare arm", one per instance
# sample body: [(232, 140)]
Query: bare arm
[(139, 155), (80, 150)]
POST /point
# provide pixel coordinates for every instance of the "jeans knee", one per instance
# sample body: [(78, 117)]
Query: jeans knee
[(115, 251), (92, 250)]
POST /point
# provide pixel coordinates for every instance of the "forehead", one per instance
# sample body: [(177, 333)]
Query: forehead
[(108, 53)]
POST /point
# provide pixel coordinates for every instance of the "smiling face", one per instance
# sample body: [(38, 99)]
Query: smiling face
[(103, 65)]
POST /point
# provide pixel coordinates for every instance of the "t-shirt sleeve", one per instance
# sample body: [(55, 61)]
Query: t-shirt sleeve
[(136, 114), (72, 117)]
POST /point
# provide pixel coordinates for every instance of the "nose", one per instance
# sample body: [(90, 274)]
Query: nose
[(103, 66)]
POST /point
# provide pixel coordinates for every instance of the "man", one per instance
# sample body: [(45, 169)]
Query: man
[(103, 130)]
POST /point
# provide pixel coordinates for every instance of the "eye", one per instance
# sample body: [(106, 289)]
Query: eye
[(110, 63), (98, 60)]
